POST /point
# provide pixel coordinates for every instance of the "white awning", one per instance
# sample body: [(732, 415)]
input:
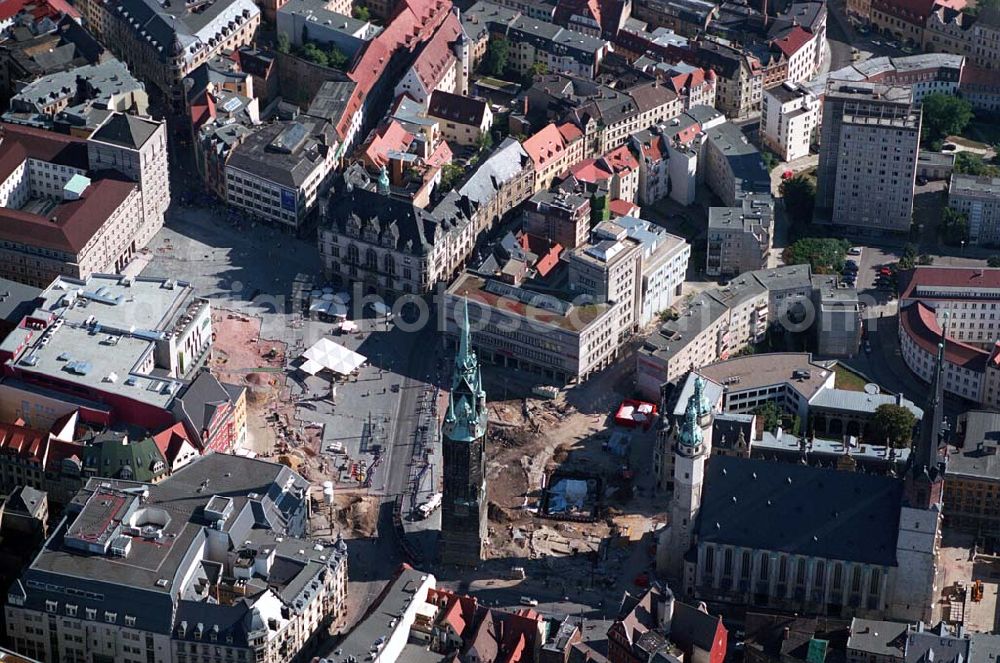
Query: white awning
[(331, 356), (311, 367)]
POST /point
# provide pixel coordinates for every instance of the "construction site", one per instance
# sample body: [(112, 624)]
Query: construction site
[(567, 496)]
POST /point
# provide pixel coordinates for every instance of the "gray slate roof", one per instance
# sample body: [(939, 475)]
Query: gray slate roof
[(859, 401), (126, 131), (979, 435), (16, 299), (800, 510), (876, 637)]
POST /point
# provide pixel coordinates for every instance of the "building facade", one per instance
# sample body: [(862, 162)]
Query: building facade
[(868, 157), (978, 198), (788, 121), (163, 44), (236, 582), (740, 238)]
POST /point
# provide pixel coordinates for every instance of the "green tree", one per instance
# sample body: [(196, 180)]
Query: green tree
[(770, 160), (969, 163), (450, 174), (361, 13), (909, 259), (770, 414), (944, 115), (825, 255), (893, 423), (534, 71), (312, 53), (954, 227), (336, 58), (993, 261), (497, 55), (799, 194), (484, 142), (284, 46)]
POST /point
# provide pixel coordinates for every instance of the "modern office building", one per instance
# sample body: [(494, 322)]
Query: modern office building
[(868, 157)]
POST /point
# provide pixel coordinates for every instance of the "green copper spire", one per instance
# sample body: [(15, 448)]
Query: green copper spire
[(466, 358), (690, 435), (466, 416), (704, 407), (383, 181)]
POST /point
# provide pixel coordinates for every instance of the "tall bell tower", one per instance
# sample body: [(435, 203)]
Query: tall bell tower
[(691, 451), (463, 508)]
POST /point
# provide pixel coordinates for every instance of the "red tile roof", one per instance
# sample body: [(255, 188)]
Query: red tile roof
[(570, 132), (620, 207), (980, 77), (71, 224), (621, 159), (916, 283), (37, 8), (684, 83), (459, 609), (413, 24), (794, 40), (436, 57), (653, 149), (17, 143), (687, 134), (546, 145), (441, 155), (590, 171), (920, 324), (23, 442), (60, 450), (391, 137), (914, 11), (171, 440)]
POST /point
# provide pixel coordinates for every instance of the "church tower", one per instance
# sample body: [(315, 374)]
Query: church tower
[(691, 451), (463, 508), (913, 586)]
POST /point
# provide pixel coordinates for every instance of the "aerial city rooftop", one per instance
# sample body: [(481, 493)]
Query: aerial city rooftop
[(506, 331)]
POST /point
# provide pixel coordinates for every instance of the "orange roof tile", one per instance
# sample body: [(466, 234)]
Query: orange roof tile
[(796, 38), (436, 57), (547, 144)]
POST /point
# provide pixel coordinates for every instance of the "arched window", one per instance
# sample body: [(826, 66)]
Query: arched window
[(390, 264), (352, 254), (371, 260)]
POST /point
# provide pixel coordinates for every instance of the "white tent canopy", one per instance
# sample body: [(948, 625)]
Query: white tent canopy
[(325, 354)]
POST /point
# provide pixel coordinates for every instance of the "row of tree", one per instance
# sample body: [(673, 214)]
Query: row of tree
[(891, 423)]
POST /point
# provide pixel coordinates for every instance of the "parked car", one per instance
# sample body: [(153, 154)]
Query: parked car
[(855, 251)]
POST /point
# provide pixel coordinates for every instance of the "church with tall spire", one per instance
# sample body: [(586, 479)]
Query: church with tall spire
[(802, 538), (463, 442)]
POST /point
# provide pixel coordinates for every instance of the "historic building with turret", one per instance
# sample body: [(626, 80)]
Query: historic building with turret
[(463, 508), (796, 537)]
